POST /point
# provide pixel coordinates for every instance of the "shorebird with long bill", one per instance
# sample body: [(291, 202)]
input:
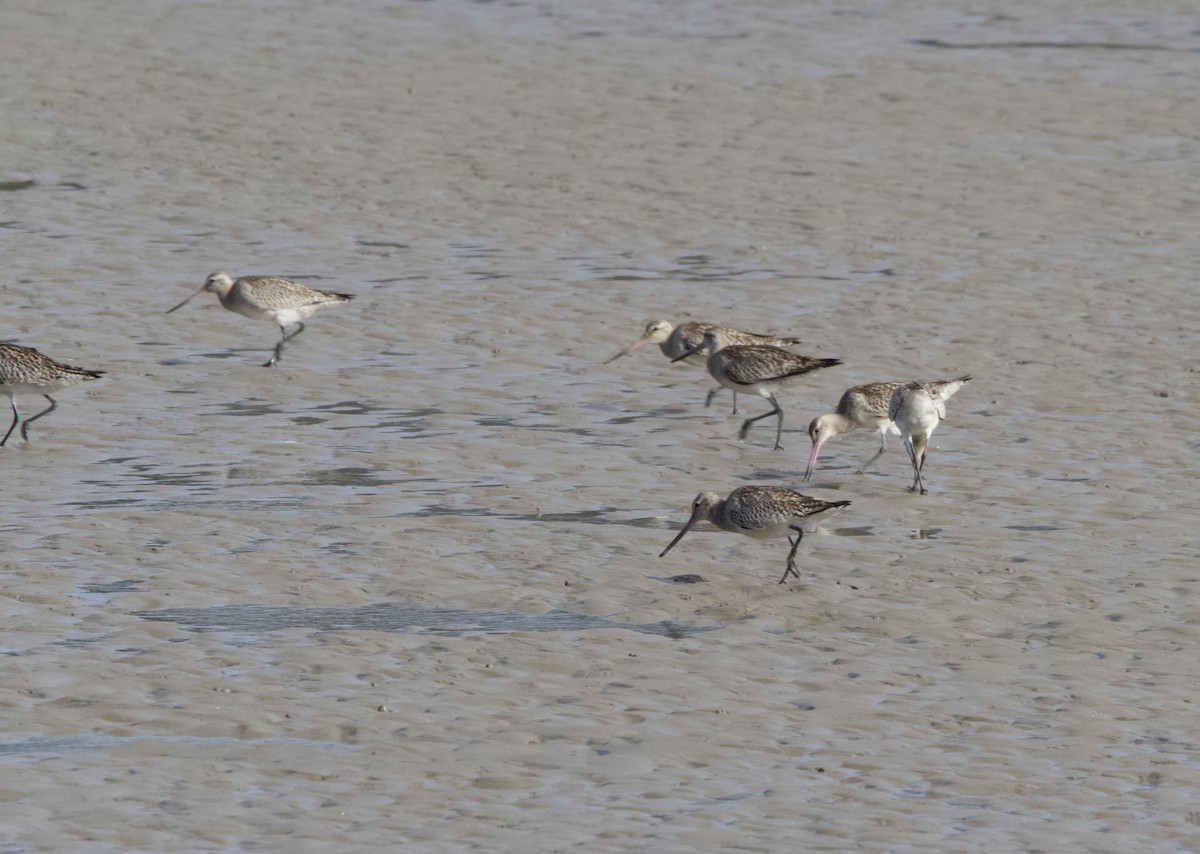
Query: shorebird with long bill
[(686, 341), (273, 298), (917, 409), (865, 406), (760, 512), (756, 368), (23, 370)]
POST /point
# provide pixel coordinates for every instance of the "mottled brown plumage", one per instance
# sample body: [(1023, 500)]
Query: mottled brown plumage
[(23, 370), (686, 341), (865, 406), (761, 512), (273, 298), (756, 368)]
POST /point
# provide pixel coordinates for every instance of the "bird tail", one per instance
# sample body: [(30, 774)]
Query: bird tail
[(84, 373), (813, 365)]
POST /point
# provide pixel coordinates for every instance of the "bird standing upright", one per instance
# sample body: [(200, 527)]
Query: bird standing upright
[(685, 341), (273, 298), (755, 368)]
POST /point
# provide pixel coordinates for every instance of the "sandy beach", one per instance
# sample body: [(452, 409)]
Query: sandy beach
[(403, 592)]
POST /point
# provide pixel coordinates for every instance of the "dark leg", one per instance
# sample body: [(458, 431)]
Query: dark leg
[(274, 360), (713, 393), (779, 428), (16, 418), (920, 465), (791, 562), (878, 454), (917, 464), (25, 427), (776, 411)]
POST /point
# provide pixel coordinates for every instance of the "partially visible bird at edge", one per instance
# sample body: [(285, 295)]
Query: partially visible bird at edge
[(23, 370)]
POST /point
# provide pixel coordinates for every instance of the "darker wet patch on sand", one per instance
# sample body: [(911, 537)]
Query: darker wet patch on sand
[(101, 741), (399, 618), (1049, 45), (127, 586)]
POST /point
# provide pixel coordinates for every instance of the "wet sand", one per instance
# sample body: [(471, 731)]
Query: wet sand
[(403, 591)]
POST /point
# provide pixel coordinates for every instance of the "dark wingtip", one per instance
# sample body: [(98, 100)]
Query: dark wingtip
[(829, 363)]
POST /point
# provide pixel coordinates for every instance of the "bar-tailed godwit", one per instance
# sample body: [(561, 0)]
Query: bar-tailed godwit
[(761, 512), (917, 408), (273, 298), (865, 406), (23, 370), (685, 341), (756, 368)]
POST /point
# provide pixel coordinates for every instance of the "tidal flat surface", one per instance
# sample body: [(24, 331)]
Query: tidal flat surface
[(404, 590)]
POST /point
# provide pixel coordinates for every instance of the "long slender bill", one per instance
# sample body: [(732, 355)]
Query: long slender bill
[(690, 352), (627, 350), (679, 536), (189, 299), (812, 460)]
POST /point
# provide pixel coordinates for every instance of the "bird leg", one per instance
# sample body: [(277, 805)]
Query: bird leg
[(776, 411), (878, 454), (274, 360), (25, 427), (791, 561), (713, 393), (16, 418), (918, 463)]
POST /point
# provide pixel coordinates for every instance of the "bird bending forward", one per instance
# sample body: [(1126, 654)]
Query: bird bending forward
[(917, 409), (760, 512)]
